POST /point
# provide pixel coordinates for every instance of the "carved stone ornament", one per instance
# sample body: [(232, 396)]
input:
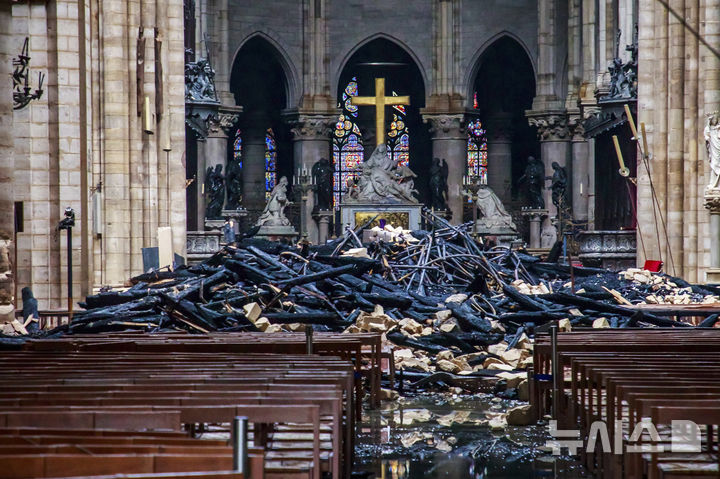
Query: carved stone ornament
[(712, 200), (200, 82), (576, 128), (222, 123), (446, 125), (312, 127), (550, 126)]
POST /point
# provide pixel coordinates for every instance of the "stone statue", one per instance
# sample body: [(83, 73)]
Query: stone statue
[(623, 76), (322, 173), (438, 184), (381, 180), (214, 192), (228, 231), (558, 185), (712, 143), (274, 212), (233, 183), (200, 81), (494, 215), (533, 181)]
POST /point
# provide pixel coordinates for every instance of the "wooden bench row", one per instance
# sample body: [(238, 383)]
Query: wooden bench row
[(363, 349), (658, 375), (86, 389)]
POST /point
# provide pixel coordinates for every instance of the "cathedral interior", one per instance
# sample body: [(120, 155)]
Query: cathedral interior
[(144, 141)]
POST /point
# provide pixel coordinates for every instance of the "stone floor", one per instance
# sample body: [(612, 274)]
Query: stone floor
[(448, 436)]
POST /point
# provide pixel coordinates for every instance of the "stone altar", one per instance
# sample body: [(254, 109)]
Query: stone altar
[(383, 188), (613, 250)]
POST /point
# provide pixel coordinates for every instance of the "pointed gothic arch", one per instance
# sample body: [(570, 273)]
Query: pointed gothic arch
[(275, 48), (475, 63), (336, 79), (501, 87)]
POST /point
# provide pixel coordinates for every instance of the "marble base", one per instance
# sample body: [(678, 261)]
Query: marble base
[(712, 276), (406, 215), (285, 234), (200, 245), (214, 225), (613, 250)]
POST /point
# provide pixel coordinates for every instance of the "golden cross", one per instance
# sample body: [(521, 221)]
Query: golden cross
[(379, 101)]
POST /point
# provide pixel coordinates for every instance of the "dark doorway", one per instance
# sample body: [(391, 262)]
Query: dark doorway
[(504, 88), (259, 84), (615, 196), (382, 58)]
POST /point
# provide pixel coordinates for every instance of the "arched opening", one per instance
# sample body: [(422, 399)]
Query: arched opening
[(504, 87), (406, 135), (260, 84)]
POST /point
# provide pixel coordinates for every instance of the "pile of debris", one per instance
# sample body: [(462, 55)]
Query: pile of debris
[(452, 309)]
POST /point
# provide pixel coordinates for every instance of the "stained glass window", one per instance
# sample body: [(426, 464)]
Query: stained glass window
[(270, 162), (477, 151), (237, 148), (347, 144), (398, 144)]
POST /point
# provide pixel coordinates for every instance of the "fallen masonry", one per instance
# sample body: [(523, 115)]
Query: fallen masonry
[(450, 310)]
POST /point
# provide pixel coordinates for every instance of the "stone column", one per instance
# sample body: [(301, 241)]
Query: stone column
[(449, 140), (253, 172), (712, 203), (311, 142), (214, 150), (7, 167), (580, 180), (552, 129), (499, 143)]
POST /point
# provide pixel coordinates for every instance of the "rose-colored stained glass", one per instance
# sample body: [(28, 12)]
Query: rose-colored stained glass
[(398, 144), (477, 159), (347, 144)]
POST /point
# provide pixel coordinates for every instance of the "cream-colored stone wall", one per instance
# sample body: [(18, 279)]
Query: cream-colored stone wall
[(7, 283), (78, 150), (679, 81)]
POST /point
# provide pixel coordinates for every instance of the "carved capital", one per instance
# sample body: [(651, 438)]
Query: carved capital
[(221, 124), (550, 126), (446, 125), (576, 128), (312, 127), (712, 200)]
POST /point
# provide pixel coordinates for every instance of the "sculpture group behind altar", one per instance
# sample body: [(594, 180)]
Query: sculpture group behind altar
[(382, 180)]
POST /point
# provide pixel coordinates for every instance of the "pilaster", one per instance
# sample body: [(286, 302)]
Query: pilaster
[(554, 135), (311, 133), (448, 133)]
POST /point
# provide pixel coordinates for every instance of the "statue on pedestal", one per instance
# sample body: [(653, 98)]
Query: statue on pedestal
[(533, 180), (214, 192), (322, 173), (274, 212), (233, 182), (381, 180), (438, 184), (495, 216), (712, 144), (558, 185)]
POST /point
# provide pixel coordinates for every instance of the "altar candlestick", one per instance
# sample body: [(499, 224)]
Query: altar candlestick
[(631, 121), (623, 169)]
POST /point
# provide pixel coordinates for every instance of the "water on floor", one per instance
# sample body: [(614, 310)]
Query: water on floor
[(450, 436)]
